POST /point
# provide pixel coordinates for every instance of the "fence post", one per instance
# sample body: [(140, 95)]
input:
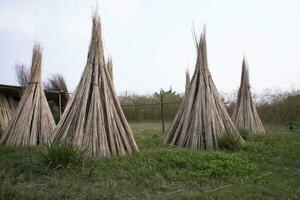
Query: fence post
[(59, 104), (162, 111)]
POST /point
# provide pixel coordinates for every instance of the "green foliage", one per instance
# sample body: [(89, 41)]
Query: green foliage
[(58, 155), (55, 110), (229, 142), (245, 134), (168, 96), (153, 167), (264, 168), (148, 107), (254, 147), (273, 106), (280, 107)]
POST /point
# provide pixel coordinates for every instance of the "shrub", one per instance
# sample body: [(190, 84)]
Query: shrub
[(245, 134), (229, 142), (55, 110), (58, 155)]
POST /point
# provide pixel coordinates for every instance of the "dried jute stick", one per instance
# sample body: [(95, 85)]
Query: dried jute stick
[(32, 122), (202, 118), (93, 118)]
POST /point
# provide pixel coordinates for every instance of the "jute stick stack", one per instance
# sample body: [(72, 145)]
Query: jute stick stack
[(32, 121), (187, 79), (202, 118), (245, 116), (93, 118), (109, 66), (7, 108)]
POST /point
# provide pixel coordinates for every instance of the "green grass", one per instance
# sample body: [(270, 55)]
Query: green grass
[(59, 155), (265, 167), (229, 142)]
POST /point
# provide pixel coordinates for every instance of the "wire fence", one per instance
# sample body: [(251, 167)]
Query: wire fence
[(285, 109), (160, 111), (163, 111), (150, 112)]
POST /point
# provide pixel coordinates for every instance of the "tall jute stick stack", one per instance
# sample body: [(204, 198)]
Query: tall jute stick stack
[(93, 118), (187, 79), (109, 66), (7, 108), (245, 116), (32, 121), (202, 118)]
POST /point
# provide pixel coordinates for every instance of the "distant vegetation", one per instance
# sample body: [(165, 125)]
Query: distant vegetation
[(276, 106), (273, 106), (283, 107), (22, 74), (148, 107)]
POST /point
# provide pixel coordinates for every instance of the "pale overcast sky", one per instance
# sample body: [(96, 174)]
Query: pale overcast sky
[(151, 41)]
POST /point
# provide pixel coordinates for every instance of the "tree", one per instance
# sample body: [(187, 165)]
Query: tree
[(22, 74)]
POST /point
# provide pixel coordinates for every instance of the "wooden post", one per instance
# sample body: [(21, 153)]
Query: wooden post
[(162, 111), (59, 104)]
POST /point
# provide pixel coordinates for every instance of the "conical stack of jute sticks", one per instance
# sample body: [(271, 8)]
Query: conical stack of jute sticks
[(93, 118), (187, 80), (202, 118), (245, 116), (7, 108), (32, 121), (109, 66)]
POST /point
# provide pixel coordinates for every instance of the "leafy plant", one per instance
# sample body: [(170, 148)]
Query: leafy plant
[(59, 155), (245, 134), (229, 142), (55, 110)]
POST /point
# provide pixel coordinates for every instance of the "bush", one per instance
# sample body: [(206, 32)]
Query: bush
[(54, 110), (229, 142), (245, 134), (58, 155)]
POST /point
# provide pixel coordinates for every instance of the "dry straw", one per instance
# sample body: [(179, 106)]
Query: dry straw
[(7, 107), (187, 79), (109, 66), (202, 118), (245, 116), (32, 121), (93, 118)]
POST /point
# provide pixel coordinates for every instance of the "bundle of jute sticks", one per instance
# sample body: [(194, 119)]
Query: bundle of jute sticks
[(187, 79), (7, 108), (245, 116), (109, 67), (93, 118), (202, 118), (32, 122)]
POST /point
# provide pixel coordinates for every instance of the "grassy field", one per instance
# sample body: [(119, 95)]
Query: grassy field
[(266, 167)]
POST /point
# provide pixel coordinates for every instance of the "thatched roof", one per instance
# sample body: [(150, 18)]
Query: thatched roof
[(202, 118), (11, 95), (245, 116), (32, 121), (15, 92), (93, 118)]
